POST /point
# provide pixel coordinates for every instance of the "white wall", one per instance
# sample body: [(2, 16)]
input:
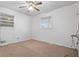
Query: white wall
[(21, 27), (64, 23)]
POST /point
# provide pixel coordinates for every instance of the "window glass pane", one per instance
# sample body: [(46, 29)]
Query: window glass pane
[(44, 23)]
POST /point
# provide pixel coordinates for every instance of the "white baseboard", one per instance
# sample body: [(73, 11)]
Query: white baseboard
[(34, 39), (4, 44), (53, 43)]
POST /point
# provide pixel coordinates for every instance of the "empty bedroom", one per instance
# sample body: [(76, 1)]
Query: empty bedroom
[(39, 28)]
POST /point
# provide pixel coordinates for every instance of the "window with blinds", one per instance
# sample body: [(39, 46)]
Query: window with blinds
[(6, 20)]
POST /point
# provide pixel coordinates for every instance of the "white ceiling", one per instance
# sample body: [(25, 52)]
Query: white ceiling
[(47, 6)]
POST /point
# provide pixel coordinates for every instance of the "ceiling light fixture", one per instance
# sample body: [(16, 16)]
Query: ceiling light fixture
[(30, 8), (32, 5)]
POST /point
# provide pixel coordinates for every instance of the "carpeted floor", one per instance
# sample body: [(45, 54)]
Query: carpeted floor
[(34, 48)]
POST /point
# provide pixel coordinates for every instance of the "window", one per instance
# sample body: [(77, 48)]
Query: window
[(6, 20), (45, 22)]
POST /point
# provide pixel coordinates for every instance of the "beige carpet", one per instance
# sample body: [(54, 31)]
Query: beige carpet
[(33, 48)]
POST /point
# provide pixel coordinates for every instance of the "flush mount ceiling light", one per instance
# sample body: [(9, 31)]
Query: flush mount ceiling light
[(31, 5)]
